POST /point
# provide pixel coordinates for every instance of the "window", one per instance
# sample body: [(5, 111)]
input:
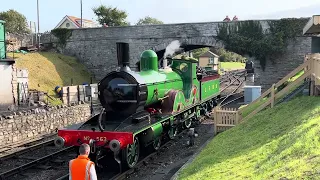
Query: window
[(211, 60), (67, 24)]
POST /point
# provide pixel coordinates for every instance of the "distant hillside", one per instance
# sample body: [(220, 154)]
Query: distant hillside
[(278, 143), (48, 70)]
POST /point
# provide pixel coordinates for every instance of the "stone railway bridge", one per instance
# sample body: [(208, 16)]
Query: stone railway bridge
[(96, 47)]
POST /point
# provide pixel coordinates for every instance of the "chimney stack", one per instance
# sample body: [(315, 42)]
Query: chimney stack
[(123, 56)]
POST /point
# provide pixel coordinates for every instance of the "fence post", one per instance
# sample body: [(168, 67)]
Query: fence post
[(272, 95), (312, 85), (237, 118), (215, 121)]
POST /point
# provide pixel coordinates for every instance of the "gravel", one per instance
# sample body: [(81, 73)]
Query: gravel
[(170, 160), (53, 169)]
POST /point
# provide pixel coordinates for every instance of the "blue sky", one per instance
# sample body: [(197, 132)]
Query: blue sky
[(169, 11)]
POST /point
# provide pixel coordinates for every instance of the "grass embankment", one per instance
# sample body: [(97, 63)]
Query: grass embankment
[(282, 142), (227, 66), (247, 109), (48, 70)]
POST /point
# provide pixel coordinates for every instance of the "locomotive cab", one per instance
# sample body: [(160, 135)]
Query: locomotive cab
[(249, 66)]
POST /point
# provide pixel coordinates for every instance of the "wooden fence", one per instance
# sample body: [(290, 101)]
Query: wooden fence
[(225, 118), (228, 118), (74, 94)]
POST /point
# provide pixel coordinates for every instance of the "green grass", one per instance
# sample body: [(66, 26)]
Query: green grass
[(231, 65), (48, 70), (247, 109), (282, 142)]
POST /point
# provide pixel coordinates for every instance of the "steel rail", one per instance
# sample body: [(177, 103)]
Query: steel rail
[(233, 76), (31, 164), (238, 86), (27, 149), (232, 101), (51, 137)]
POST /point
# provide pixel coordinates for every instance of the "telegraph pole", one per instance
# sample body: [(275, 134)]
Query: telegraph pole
[(38, 34), (81, 12)]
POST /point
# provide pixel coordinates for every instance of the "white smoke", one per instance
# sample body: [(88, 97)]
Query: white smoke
[(173, 47)]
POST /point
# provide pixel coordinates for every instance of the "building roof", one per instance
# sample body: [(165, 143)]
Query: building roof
[(75, 21), (313, 26), (208, 54)]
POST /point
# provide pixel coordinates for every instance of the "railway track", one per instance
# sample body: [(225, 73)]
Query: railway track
[(232, 80), (20, 146), (23, 162)]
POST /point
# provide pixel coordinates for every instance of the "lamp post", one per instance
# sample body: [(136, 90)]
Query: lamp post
[(81, 11), (38, 34)]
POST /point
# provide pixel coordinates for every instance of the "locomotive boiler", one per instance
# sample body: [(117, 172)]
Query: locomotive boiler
[(141, 108)]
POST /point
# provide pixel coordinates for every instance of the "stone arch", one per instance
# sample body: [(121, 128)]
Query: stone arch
[(186, 44)]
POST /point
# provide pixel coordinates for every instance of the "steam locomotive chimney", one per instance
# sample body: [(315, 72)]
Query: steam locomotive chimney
[(123, 56)]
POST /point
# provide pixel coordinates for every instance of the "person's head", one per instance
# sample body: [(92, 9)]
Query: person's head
[(84, 149)]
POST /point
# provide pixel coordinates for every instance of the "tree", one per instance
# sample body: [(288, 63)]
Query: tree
[(111, 16), (198, 52), (15, 22), (148, 21)]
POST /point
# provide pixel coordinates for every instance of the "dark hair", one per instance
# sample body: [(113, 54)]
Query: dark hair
[(83, 148)]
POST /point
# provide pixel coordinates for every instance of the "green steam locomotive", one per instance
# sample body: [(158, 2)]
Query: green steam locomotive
[(141, 108)]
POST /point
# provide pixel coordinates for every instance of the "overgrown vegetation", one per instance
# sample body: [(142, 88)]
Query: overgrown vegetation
[(249, 37), (278, 143), (227, 56), (48, 70), (224, 55), (110, 16), (16, 22), (63, 34), (148, 21), (196, 53)]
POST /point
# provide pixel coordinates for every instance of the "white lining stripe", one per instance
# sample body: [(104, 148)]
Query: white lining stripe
[(88, 170)]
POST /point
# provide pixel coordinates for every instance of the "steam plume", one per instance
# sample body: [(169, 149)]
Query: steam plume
[(173, 47)]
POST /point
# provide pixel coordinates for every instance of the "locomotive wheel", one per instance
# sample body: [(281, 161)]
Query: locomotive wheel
[(157, 144), (130, 155)]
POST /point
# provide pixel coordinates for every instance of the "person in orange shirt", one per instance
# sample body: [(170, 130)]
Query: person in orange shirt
[(82, 168)]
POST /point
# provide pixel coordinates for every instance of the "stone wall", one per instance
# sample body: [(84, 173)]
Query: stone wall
[(96, 47), (291, 59), (23, 126)]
